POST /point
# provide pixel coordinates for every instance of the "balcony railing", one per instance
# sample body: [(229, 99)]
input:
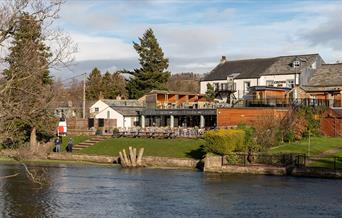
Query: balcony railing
[(282, 102), (223, 87)]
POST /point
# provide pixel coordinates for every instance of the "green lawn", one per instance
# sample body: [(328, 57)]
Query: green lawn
[(153, 147), (76, 139), (326, 163), (317, 146)]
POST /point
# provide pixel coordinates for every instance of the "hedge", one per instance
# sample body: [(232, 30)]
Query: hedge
[(225, 141)]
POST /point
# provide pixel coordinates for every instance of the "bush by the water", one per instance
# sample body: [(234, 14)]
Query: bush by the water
[(224, 141)]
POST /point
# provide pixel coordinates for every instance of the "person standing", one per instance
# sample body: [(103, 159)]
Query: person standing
[(58, 144), (69, 146)]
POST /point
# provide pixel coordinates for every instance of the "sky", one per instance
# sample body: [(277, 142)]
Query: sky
[(195, 34)]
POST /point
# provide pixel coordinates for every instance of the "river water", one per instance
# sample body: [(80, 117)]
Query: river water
[(97, 191)]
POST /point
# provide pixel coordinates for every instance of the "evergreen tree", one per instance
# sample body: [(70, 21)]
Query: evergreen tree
[(118, 87), (107, 86), (30, 95), (210, 94), (151, 75), (94, 85)]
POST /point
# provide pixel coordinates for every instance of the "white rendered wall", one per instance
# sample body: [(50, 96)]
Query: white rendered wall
[(263, 79), (103, 113), (203, 85), (240, 86)]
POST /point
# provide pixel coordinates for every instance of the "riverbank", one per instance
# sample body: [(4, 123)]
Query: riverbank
[(211, 164), (147, 161)]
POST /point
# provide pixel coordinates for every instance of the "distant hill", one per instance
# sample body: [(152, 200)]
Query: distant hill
[(185, 82)]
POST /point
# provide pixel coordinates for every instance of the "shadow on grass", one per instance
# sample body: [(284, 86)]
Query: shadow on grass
[(197, 153), (326, 163)]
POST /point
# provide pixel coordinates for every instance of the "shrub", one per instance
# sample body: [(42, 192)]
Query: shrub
[(267, 131), (234, 158), (225, 141)]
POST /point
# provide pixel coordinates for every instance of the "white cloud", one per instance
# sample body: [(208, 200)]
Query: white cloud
[(194, 40), (97, 47)]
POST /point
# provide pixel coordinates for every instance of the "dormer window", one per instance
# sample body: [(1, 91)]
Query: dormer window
[(296, 64)]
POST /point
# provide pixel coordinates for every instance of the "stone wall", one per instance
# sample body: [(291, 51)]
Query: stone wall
[(317, 172), (169, 162), (214, 164), (83, 157), (148, 161)]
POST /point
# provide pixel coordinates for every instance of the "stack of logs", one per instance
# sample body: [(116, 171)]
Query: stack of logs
[(132, 160)]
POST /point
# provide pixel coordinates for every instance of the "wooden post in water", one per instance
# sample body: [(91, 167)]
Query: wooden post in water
[(134, 157), (132, 160), (122, 160), (126, 161), (139, 160)]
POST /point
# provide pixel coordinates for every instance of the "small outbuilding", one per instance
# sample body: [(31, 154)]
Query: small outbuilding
[(124, 112)]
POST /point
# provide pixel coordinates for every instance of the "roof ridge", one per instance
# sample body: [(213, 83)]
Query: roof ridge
[(274, 57), (283, 56), (333, 64)]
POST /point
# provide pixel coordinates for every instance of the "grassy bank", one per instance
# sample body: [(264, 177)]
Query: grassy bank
[(75, 138), (322, 149), (318, 145), (153, 147)]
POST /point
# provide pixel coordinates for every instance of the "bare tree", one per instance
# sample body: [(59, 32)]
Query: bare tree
[(19, 100)]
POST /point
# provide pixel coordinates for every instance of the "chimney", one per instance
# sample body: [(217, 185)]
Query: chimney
[(101, 96), (223, 60)]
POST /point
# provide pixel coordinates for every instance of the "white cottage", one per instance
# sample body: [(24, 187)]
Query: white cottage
[(233, 79), (125, 112)]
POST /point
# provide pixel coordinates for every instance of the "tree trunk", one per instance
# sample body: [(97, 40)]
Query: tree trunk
[(33, 139)]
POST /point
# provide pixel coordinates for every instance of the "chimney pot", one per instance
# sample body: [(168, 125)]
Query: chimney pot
[(223, 60)]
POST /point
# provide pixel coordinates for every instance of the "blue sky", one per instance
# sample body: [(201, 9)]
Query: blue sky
[(195, 34)]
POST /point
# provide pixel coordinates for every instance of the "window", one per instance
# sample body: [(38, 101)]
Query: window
[(269, 82), (217, 86), (108, 114), (96, 109), (246, 86), (290, 83), (296, 64), (101, 122), (224, 86)]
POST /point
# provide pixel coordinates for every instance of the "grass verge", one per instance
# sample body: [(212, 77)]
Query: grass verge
[(318, 145), (153, 147)]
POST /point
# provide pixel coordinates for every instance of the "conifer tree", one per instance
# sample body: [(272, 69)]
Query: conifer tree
[(117, 86), (27, 101), (93, 85), (152, 74), (210, 94)]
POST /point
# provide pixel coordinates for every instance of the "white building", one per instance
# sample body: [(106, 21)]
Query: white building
[(232, 79), (125, 112)]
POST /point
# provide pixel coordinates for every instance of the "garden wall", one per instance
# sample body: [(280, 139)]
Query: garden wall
[(214, 164), (331, 126)]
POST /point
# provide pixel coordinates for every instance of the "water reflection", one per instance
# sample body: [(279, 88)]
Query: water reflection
[(21, 197), (113, 192)]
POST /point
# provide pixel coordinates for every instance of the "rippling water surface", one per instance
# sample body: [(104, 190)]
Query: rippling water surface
[(95, 191)]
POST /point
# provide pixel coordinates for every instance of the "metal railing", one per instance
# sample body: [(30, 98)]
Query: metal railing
[(226, 87), (244, 159), (282, 160), (282, 102), (323, 162)]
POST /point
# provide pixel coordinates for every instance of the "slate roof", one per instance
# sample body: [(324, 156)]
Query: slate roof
[(128, 111), (173, 92), (255, 68), (328, 75), (121, 103)]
